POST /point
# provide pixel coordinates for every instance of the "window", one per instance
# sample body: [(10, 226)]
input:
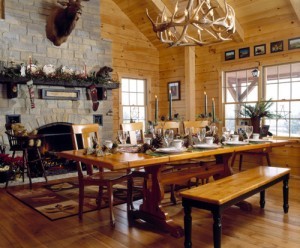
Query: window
[(239, 87), (133, 100), (281, 83)]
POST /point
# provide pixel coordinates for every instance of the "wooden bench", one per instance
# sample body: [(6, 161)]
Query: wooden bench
[(221, 194)]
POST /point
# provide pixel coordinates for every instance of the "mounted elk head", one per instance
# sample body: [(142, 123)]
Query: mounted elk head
[(62, 20)]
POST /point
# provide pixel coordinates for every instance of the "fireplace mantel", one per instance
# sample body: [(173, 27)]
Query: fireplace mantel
[(72, 83)]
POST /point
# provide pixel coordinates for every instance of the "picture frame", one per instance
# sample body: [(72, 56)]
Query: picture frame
[(260, 50), (294, 43), (60, 94), (244, 52), (276, 46), (230, 55), (174, 88)]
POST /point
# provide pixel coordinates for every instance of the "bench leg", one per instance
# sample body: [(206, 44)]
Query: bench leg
[(187, 227), (262, 201), (286, 195), (217, 228)]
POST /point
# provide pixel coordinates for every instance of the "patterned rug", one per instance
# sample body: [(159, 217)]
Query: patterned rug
[(60, 200)]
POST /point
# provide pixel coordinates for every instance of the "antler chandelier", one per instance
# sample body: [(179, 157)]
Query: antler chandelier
[(196, 25)]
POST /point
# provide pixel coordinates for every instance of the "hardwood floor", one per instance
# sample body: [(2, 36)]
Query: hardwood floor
[(21, 226)]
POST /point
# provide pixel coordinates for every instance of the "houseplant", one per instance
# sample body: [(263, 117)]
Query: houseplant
[(255, 113)]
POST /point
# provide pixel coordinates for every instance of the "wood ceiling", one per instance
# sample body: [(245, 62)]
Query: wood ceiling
[(253, 17)]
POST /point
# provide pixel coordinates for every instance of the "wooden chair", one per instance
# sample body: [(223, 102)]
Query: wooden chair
[(135, 130), (30, 153), (175, 125), (83, 134)]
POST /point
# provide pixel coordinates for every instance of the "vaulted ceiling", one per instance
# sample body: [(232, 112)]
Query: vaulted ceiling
[(253, 17)]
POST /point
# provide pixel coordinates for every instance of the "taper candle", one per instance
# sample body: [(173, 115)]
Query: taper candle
[(156, 109), (205, 104), (213, 110), (170, 105), (30, 64)]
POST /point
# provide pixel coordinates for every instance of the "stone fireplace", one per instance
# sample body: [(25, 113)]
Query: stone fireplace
[(22, 35)]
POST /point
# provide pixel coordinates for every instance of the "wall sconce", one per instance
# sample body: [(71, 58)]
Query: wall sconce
[(255, 73)]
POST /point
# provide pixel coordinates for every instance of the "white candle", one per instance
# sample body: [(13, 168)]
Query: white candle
[(30, 64)]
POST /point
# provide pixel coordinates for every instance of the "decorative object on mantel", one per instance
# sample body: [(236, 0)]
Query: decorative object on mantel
[(63, 76), (193, 25), (94, 96), (31, 93), (62, 20), (256, 112)]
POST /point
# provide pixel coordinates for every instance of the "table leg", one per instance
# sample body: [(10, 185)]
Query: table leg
[(187, 227), (262, 201), (286, 195), (151, 210), (217, 228)]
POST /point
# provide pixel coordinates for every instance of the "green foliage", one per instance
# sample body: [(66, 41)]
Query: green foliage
[(261, 109)]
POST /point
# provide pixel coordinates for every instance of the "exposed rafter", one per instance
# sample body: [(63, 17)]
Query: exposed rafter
[(296, 6)]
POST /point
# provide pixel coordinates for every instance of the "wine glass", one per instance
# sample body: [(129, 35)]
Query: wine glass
[(201, 133), (168, 136), (123, 135), (226, 132), (249, 131)]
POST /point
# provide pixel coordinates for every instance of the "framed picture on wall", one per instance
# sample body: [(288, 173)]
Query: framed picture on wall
[(230, 55), (174, 88), (276, 46), (294, 43), (260, 49), (244, 52)]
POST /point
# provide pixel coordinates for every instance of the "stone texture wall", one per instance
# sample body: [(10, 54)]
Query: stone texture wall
[(22, 34)]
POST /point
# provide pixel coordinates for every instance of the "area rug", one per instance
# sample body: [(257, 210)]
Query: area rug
[(56, 201)]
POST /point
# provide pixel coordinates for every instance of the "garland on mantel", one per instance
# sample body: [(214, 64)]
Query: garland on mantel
[(22, 73)]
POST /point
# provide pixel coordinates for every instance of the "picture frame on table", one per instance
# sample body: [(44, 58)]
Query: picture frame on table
[(174, 88), (230, 55), (244, 52), (276, 46), (294, 43), (260, 50)]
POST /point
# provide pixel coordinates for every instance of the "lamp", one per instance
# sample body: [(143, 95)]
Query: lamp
[(255, 73), (196, 25)]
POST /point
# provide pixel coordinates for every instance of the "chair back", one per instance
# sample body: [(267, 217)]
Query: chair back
[(16, 143), (195, 124), (82, 137), (175, 125), (136, 131)]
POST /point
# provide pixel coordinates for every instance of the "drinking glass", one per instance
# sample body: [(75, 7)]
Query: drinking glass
[(226, 132), (168, 136), (201, 133), (249, 131), (123, 135), (189, 131), (158, 132)]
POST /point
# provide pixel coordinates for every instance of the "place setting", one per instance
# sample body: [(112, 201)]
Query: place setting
[(173, 146)]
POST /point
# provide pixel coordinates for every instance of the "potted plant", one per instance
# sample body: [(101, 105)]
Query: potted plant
[(256, 112)]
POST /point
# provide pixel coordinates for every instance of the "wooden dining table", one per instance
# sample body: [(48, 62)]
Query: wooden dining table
[(150, 209)]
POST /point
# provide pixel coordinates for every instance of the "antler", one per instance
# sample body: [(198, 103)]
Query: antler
[(200, 16)]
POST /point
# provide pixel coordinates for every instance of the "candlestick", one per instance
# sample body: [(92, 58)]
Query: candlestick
[(213, 110), (156, 109), (205, 104), (170, 105), (84, 69), (30, 64)]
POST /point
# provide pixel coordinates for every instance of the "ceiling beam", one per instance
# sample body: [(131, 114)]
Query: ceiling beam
[(296, 6)]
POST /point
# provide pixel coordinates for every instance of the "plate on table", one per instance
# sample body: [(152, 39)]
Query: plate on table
[(258, 141), (207, 146), (126, 145), (171, 150), (236, 143)]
